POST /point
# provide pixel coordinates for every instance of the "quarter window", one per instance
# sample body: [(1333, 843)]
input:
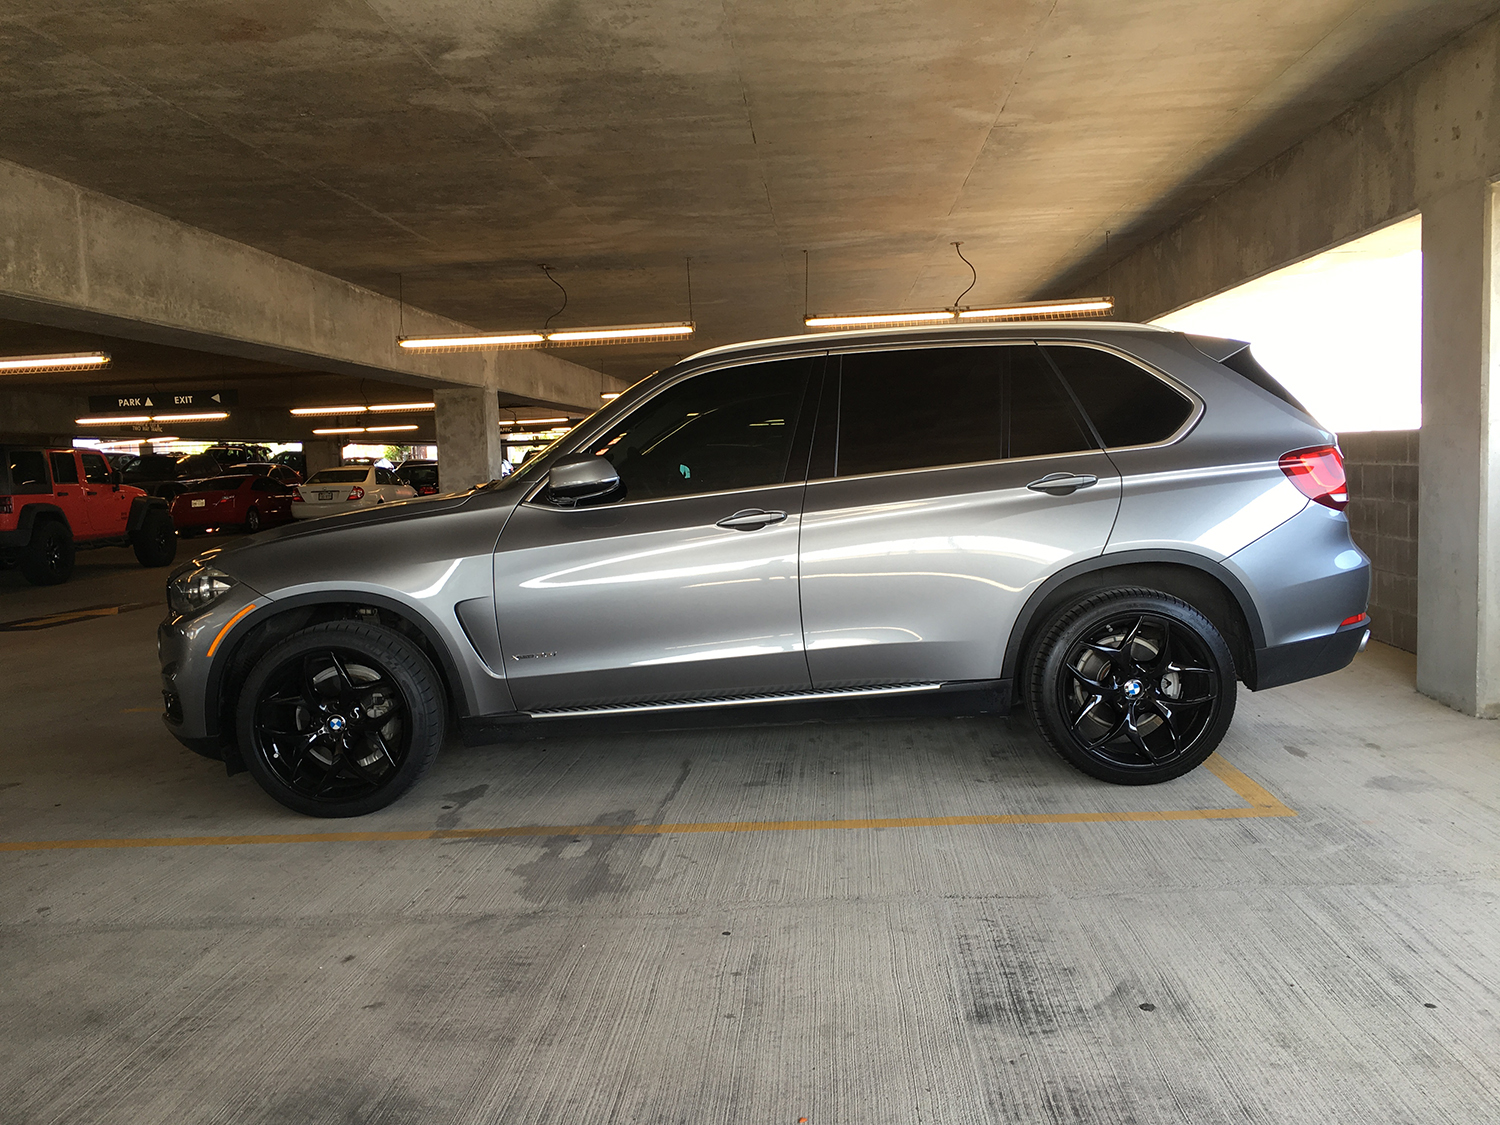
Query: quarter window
[(1128, 406), (715, 432), (27, 469)]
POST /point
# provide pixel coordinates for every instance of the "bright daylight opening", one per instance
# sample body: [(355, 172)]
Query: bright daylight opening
[(1341, 330)]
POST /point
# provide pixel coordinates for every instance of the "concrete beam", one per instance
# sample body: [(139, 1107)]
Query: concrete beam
[(76, 259), (1432, 129)]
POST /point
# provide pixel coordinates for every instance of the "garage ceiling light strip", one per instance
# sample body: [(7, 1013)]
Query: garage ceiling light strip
[(373, 408), (366, 429), (61, 361), (137, 419), (1027, 310), (606, 334), (1259, 802)]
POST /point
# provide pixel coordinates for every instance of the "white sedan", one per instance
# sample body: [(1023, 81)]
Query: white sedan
[(343, 490)]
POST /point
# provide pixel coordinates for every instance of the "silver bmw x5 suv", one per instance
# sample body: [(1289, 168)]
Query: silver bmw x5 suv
[(1109, 523)]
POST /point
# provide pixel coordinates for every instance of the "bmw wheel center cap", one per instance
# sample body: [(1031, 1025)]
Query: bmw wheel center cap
[(1133, 689), (336, 723)]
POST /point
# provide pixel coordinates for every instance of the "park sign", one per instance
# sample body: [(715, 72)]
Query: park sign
[(173, 401)]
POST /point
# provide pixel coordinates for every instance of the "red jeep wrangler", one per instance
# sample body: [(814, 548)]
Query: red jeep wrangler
[(53, 500)]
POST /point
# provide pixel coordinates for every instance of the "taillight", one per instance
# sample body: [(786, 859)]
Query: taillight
[(6, 507), (297, 497), (1318, 473), (356, 493), (427, 490)]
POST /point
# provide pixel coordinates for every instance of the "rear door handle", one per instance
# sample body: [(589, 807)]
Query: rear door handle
[(1063, 484), (751, 519)]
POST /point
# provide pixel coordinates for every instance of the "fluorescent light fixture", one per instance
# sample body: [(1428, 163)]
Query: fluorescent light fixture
[(1041, 308), (1026, 310), (374, 408), (609, 396), (607, 334), (491, 340), (617, 333), (63, 361), (533, 421), (137, 419), (877, 320), (365, 429)]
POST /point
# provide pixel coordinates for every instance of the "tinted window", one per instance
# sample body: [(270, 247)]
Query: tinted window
[(420, 474), (95, 468), (723, 430), (27, 467), (383, 476), (1041, 419), (919, 408), (64, 469), (1127, 405), (266, 484), (339, 476), (155, 467)]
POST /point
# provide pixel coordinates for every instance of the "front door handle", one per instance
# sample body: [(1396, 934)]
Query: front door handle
[(751, 519), (1063, 484)]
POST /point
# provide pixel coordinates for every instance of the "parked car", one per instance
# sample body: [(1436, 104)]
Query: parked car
[(280, 473), (293, 460), (421, 475), (236, 453), (242, 500), (346, 489), (165, 474), (56, 501), (1109, 523)]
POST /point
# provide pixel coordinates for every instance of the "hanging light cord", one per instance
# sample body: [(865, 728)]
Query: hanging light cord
[(548, 271), (957, 303)]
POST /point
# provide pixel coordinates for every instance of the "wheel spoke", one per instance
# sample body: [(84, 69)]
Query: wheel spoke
[(1133, 732), (1194, 701), (1169, 721), (376, 741), (1092, 703), (1163, 662), (346, 685), (1092, 685), (1114, 733)]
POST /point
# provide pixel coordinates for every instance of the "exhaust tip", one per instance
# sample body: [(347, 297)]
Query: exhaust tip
[(1364, 641)]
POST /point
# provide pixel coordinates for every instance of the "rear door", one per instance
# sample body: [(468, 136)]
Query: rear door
[(956, 480), (67, 492)]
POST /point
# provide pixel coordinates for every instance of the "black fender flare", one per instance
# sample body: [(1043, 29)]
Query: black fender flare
[(30, 513), (447, 666), (1026, 619), (139, 506)]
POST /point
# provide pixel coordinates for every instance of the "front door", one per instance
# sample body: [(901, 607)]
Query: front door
[(683, 586), (964, 477)]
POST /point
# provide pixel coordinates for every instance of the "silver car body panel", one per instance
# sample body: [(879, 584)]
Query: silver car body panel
[(903, 579)]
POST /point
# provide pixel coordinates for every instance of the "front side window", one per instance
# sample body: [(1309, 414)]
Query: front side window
[(95, 468), (715, 432), (1128, 405), (925, 408)]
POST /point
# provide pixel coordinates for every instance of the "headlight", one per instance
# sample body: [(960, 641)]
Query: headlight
[(196, 589)]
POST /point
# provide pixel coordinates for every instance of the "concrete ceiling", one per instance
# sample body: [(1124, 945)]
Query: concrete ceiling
[(460, 143)]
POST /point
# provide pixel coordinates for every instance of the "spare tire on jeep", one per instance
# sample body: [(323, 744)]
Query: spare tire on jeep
[(155, 541)]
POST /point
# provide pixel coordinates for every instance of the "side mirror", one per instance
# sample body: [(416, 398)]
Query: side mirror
[(116, 477), (581, 476)]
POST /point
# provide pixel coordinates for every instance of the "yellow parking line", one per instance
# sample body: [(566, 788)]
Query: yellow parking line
[(1261, 804)]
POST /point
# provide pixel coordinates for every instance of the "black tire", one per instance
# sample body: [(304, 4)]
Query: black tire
[(1132, 686), (155, 541), (48, 559), (252, 521), (382, 692)]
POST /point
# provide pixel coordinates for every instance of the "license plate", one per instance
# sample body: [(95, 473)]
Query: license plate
[(325, 496), (200, 503)]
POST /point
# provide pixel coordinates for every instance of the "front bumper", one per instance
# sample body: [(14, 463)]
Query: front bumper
[(186, 648)]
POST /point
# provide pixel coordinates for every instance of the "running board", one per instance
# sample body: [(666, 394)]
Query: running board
[(735, 701)]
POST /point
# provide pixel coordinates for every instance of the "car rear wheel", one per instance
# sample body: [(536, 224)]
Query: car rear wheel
[(341, 718), (48, 558), (1132, 686), (252, 521), (155, 541)]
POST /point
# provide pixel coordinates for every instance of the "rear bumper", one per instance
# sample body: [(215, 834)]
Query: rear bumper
[(1302, 660)]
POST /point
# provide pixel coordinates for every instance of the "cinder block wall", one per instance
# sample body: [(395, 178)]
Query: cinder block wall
[(1382, 468)]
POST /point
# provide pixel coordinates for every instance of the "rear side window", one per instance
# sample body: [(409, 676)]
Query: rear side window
[(64, 469), (1128, 406), (929, 407), (266, 484), (28, 470)]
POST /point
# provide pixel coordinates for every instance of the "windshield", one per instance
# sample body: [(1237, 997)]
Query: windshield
[(339, 476)]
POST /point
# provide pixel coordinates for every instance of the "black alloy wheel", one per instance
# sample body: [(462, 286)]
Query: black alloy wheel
[(1133, 686), (341, 718), (48, 558), (155, 541), (252, 521)]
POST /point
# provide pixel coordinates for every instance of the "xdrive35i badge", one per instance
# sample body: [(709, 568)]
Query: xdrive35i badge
[(534, 656)]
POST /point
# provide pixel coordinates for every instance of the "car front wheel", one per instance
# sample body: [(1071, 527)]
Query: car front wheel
[(1132, 686), (155, 541), (341, 718)]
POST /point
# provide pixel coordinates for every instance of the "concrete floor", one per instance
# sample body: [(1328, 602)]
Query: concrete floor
[(1342, 964)]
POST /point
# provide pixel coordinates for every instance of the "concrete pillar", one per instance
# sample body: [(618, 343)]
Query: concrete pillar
[(1458, 568), (468, 437), (322, 455)]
